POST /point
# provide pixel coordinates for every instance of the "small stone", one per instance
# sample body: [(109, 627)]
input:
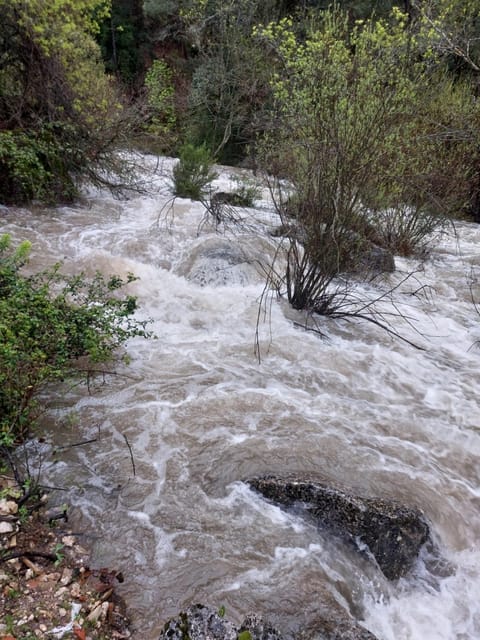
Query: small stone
[(6, 527), (8, 507), (43, 627), (51, 577), (80, 550), (62, 612), (67, 575), (68, 541), (95, 614), (75, 590), (61, 592)]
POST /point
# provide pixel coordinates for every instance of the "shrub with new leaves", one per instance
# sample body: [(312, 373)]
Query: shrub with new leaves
[(193, 172), (48, 321), (353, 135), (160, 102)]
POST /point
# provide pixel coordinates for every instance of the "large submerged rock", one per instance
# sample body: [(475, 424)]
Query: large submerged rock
[(199, 622), (392, 533)]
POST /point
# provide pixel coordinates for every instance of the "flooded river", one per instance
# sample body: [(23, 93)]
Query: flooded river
[(200, 413)]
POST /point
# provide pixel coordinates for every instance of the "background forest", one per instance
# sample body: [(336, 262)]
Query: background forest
[(82, 78)]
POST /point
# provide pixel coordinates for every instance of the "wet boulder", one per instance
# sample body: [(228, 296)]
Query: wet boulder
[(391, 532), (256, 628), (219, 262), (199, 622), (233, 198)]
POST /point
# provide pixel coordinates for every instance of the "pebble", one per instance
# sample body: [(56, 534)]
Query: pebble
[(8, 507), (67, 576), (95, 614), (6, 527)]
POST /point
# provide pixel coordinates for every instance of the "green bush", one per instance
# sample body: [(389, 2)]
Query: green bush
[(47, 322), (193, 172), (34, 168), (362, 148), (61, 117), (162, 121)]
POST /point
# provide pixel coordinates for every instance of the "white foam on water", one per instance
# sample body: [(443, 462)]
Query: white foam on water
[(360, 408)]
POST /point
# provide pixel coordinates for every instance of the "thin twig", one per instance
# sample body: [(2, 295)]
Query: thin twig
[(28, 554), (76, 444), (131, 453)]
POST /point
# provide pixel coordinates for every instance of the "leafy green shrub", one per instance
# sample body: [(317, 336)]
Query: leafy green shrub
[(160, 102), (47, 322), (34, 168), (193, 172)]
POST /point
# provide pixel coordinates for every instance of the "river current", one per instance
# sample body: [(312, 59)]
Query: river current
[(160, 492)]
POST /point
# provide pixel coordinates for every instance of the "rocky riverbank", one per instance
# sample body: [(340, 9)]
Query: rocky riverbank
[(47, 588)]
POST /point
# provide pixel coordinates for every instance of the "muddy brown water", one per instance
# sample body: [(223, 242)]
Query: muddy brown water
[(200, 413)]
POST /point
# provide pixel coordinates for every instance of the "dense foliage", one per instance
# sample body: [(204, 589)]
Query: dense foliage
[(47, 322), (60, 115), (200, 74)]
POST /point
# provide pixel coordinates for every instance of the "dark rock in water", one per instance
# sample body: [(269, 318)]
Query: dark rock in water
[(232, 198), (199, 623), (203, 623), (366, 257), (393, 533), (258, 628)]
